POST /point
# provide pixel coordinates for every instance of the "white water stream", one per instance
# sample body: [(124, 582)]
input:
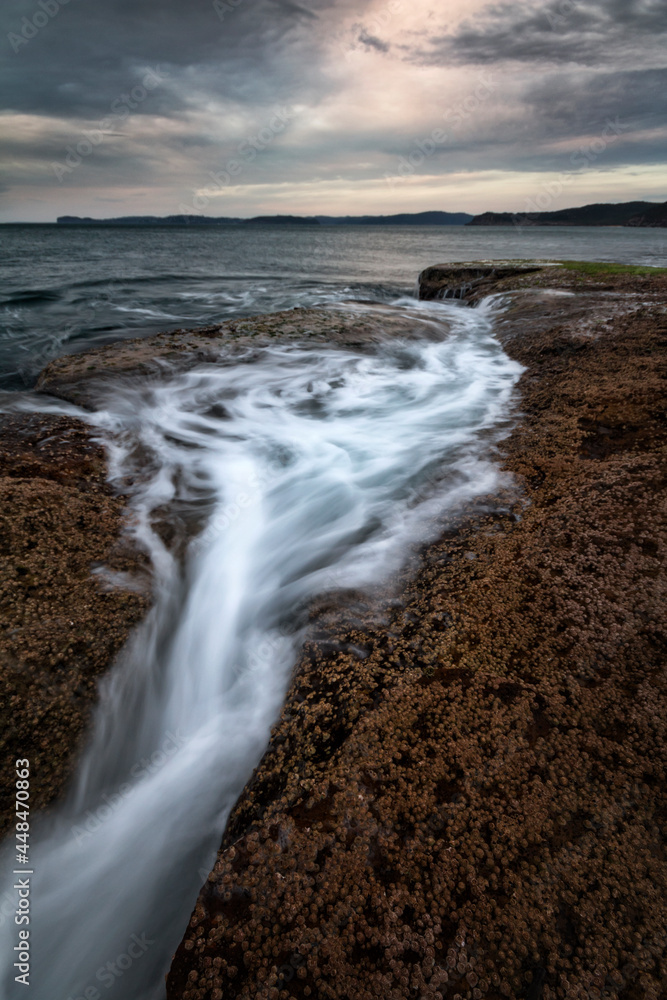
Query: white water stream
[(297, 470)]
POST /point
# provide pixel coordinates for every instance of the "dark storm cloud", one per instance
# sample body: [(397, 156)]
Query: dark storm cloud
[(294, 8), (559, 114), (567, 68), (362, 82), (88, 53), (587, 32), (576, 102)]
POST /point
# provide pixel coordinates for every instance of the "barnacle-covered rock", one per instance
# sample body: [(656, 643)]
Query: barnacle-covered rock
[(465, 795)]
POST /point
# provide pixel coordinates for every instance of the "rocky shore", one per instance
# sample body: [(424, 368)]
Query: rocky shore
[(465, 793), (60, 627), (464, 796), (61, 623)]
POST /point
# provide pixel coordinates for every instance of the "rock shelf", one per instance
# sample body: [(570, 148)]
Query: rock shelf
[(464, 796), (466, 799)]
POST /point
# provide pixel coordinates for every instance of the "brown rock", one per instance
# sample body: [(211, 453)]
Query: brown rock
[(59, 628), (466, 797)]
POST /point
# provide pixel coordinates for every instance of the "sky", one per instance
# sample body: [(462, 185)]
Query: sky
[(249, 107)]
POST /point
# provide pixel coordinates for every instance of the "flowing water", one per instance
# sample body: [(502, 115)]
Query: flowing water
[(66, 289), (295, 472), (298, 471)]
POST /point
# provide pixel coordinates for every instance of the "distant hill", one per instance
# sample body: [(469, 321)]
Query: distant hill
[(281, 220), (627, 214), (403, 219), (654, 217), (149, 220), (631, 213)]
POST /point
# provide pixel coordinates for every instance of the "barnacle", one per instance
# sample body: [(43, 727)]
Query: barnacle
[(489, 822)]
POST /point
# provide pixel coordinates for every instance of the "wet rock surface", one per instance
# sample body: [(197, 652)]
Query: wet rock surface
[(473, 281), (465, 281), (465, 793), (59, 627), (82, 378)]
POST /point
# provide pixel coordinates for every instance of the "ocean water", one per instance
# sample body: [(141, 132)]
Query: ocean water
[(297, 471), (66, 289)]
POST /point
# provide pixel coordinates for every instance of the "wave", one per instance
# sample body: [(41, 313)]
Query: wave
[(32, 296), (296, 472)]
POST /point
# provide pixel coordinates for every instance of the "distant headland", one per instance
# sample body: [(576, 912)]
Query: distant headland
[(631, 213), (646, 214), (402, 219)]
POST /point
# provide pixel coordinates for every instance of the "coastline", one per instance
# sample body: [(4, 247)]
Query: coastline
[(62, 626), (509, 702), (466, 800)]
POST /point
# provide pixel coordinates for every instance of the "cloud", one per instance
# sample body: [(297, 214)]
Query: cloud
[(575, 102), (87, 54), (365, 81), (566, 69), (294, 8), (372, 42), (584, 32)]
